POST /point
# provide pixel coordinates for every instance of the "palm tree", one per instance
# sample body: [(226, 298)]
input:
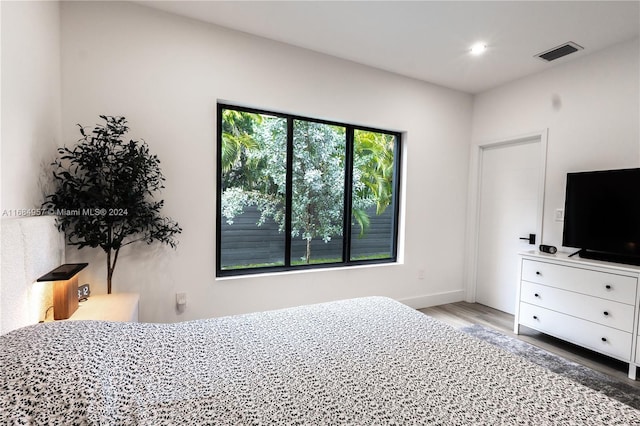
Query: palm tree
[(375, 155), (237, 135)]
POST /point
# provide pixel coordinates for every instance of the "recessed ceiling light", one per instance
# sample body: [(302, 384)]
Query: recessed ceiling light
[(478, 48)]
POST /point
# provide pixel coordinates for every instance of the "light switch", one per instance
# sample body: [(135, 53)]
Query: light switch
[(559, 215)]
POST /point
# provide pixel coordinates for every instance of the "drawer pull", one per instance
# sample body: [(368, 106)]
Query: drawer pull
[(538, 273), (536, 295), (606, 314), (604, 339), (535, 317), (608, 286)]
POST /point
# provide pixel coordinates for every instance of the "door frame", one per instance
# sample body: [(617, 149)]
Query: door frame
[(473, 213)]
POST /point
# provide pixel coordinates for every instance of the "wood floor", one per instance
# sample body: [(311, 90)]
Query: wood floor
[(462, 314)]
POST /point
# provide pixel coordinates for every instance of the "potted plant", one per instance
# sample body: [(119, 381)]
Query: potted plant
[(104, 193)]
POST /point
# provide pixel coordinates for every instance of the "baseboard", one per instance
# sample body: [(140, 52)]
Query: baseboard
[(425, 301)]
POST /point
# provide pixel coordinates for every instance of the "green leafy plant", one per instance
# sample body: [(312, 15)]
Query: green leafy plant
[(104, 194)]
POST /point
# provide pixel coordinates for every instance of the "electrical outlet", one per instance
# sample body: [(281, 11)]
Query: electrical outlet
[(421, 274), (181, 299), (559, 215)]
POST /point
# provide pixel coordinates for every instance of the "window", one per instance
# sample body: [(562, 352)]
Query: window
[(295, 192)]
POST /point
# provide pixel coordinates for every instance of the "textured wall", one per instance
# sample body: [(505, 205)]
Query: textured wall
[(31, 247)]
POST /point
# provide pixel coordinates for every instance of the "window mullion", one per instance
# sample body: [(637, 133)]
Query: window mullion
[(289, 193), (396, 193), (348, 177), (219, 189)]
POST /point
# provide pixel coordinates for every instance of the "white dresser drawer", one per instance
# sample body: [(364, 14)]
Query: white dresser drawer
[(602, 339), (619, 288), (606, 312)]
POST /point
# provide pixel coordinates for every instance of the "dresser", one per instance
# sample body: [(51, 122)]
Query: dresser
[(590, 303)]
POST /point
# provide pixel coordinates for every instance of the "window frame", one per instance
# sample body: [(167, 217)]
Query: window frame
[(347, 206)]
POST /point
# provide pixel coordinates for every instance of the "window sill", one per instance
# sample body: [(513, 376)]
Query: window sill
[(310, 271)]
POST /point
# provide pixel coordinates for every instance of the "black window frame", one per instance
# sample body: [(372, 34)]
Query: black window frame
[(347, 212)]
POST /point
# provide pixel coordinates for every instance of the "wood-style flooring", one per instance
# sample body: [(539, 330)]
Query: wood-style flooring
[(462, 314)]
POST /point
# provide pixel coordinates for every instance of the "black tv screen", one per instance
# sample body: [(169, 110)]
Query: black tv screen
[(602, 215)]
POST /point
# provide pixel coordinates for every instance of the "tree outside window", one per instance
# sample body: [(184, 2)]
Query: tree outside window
[(282, 198)]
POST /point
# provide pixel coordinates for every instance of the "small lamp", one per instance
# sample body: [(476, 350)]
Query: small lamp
[(65, 289)]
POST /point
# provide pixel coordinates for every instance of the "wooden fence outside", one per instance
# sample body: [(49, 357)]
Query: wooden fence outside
[(245, 243)]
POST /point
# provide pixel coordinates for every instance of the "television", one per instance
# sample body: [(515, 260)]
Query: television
[(602, 215)]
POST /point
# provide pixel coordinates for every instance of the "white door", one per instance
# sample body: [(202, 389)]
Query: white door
[(510, 208)]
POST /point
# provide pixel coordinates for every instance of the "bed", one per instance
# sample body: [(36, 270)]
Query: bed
[(365, 361)]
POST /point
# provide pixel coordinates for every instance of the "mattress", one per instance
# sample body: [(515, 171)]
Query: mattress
[(366, 361)]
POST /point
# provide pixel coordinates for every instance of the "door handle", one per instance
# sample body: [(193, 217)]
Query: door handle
[(531, 238)]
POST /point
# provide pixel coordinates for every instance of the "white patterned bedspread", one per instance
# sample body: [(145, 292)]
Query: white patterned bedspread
[(368, 361)]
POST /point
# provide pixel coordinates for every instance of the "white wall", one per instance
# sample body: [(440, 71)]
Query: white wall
[(591, 107), (30, 99), (30, 123), (165, 74)]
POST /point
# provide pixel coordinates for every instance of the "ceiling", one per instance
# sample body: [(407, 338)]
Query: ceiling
[(430, 40)]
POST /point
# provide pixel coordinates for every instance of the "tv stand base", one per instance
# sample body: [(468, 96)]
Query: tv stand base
[(608, 257)]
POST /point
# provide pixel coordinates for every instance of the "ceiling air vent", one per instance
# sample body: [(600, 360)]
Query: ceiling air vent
[(559, 52)]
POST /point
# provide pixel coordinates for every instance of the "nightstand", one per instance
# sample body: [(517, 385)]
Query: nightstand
[(108, 307)]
